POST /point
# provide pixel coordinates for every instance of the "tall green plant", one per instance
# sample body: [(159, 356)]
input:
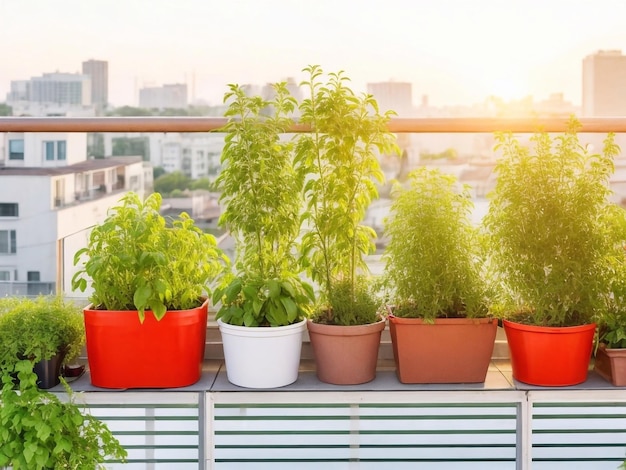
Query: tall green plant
[(549, 227), (262, 196), (433, 254), (339, 159)]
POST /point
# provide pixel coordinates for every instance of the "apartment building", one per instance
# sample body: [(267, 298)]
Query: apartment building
[(98, 72), (197, 155), (50, 195), (173, 96), (604, 84), (52, 94)]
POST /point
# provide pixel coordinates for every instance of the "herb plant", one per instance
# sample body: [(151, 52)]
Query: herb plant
[(612, 323), (135, 260), (433, 255), (548, 228), (40, 431), (262, 196), (39, 328), (338, 160)]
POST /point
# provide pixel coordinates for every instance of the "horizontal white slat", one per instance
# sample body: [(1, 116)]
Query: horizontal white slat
[(579, 452), (605, 436)]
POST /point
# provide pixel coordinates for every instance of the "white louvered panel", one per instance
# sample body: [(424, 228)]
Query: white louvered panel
[(585, 435)]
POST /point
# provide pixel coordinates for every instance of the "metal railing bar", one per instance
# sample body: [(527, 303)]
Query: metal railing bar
[(399, 125)]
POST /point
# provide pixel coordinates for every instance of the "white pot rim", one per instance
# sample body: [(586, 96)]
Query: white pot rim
[(261, 331)]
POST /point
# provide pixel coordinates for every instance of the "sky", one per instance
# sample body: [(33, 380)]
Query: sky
[(457, 52)]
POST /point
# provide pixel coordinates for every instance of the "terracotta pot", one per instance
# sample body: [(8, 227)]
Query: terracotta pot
[(550, 356), (450, 350), (346, 355), (124, 353), (610, 364)]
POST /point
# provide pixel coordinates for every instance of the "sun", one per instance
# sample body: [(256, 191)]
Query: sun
[(508, 88)]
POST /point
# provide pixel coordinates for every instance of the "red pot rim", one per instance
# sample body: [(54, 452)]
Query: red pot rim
[(548, 329)]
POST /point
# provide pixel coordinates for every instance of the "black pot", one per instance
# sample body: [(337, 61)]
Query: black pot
[(48, 371)]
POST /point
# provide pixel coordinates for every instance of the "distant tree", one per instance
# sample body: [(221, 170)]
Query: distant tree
[(157, 171), (131, 111), (131, 146), (448, 154), (177, 193), (168, 182), (203, 183), (173, 112), (95, 145), (5, 110)]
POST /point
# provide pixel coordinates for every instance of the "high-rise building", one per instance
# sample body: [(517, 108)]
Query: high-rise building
[(52, 94), (396, 96), (604, 84), (98, 71)]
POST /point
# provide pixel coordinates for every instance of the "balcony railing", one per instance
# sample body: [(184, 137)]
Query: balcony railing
[(384, 424), (399, 125)]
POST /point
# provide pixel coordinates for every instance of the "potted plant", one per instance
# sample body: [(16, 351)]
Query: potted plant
[(47, 330), (146, 324), (610, 354), (42, 431), (550, 241), (338, 160), (440, 330), (264, 304)]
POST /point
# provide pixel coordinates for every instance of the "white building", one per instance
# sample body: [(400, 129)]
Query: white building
[(396, 96), (50, 194), (52, 94), (604, 84), (197, 155), (172, 96)]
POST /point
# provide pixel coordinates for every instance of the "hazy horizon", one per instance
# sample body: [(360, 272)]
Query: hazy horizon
[(454, 51)]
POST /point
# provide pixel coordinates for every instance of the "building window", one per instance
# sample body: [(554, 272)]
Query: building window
[(55, 150), (33, 276), (49, 150), (5, 275), (61, 145), (9, 209), (7, 242), (16, 149)]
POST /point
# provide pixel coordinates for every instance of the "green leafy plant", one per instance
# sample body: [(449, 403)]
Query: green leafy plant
[(262, 196), (548, 229), (612, 323), (338, 161), (135, 260), (40, 431), (39, 328), (432, 259)]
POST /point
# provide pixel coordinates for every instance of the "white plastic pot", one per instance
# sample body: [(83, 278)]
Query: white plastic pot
[(262, 357)]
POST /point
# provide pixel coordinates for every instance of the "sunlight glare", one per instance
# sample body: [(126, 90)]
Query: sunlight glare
[(508, 88)]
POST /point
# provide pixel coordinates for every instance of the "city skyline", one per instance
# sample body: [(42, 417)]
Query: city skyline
[(456, 52)]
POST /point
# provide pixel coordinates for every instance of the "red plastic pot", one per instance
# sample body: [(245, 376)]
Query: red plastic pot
[(550, 356), (124, 353)]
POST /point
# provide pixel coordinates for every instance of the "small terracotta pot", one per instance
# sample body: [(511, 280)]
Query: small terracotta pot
[(610, 364), (550, 356), (450, 350), (346, 355)]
